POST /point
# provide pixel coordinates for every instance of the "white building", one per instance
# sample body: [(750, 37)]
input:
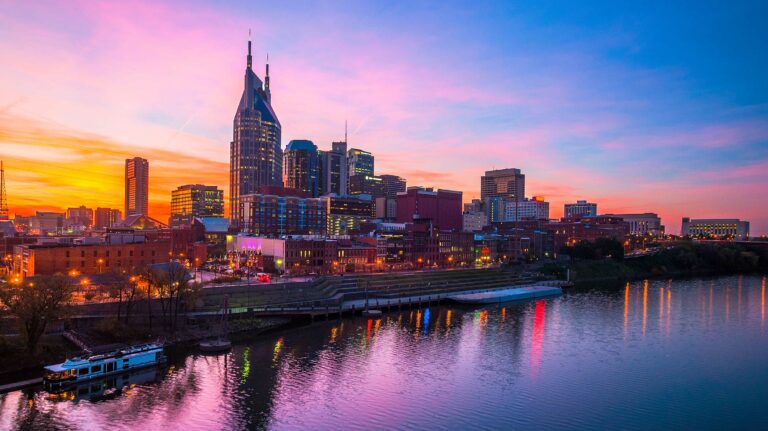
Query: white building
[(580, 208), (642, 224), (716, 227), (535, 208)]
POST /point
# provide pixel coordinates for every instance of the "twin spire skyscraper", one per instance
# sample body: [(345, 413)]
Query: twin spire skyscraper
[(255, 153)]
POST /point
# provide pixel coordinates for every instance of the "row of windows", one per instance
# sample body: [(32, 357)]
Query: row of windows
[(106, 253)]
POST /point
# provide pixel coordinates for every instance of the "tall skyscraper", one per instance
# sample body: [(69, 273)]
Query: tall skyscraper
[(504, 183), (301, 167), (333, 169), (3, 197), (136, 186), (255, 155), (360, 162), (195, 200)]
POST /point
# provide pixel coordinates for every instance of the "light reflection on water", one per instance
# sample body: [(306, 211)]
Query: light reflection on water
[(647, 355)]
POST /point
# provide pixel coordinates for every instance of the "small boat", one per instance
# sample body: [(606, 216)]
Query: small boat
[(506, 295), (216, 345), (92, 366)]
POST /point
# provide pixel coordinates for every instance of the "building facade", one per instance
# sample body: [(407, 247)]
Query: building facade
[(392, 185), (642, 223), (195, 200), (360, 162), (347, 213), (716, 228), (535, 208), (366, 185), (256, 155), (48, 259), (80, 216), (136, 186), (301, 167), (334, 170), (271, 215), (106, 217), (442, 207), (504, 183), (579, 209)]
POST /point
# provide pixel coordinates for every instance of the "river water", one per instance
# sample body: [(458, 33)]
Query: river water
[(690, 354)]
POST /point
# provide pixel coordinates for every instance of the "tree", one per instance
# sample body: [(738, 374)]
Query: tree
[(36, 304)]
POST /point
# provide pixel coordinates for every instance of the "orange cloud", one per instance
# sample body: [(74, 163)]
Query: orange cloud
[(49, 167)]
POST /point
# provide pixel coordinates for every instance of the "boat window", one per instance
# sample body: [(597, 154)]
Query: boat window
[(82, 371), (96, 368)]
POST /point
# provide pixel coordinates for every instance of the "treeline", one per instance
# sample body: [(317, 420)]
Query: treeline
[(603, 259), (37, 302)]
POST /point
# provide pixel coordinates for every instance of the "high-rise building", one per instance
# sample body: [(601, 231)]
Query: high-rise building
[(3, 197), (301, 167), (136, 186), (441, 207), (80, 216), (106, 217), (277, 215), (580, 209), (718, 228), (195, 200), (535, 208), (333, 169), (392, 185), (360, 162), (366, 185), (505, 183), (255, 154)]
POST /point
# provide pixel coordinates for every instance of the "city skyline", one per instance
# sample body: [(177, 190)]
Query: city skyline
[(701, 131)]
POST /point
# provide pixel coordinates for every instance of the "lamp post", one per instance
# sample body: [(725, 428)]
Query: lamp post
[(100, 261)]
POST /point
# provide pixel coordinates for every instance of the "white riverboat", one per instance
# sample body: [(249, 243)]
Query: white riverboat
[(507, 295), (92, 366)]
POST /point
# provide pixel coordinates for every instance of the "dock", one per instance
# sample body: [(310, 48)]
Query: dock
[(21, 384)]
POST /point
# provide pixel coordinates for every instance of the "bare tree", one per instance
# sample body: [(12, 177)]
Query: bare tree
[(36, 304)]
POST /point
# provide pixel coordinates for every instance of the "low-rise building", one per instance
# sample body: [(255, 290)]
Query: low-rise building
[(87, 258), (535, 208), (579, 209), (718, 228), (642, 223)]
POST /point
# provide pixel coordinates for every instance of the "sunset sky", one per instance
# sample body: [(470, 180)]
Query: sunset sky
[(644, 107)]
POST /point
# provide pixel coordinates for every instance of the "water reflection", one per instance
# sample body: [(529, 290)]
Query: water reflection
[(625, 351)]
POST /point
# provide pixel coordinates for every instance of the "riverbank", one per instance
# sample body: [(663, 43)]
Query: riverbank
[(18, 365)]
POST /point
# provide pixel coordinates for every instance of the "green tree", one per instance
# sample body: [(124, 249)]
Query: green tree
[(36, 304)]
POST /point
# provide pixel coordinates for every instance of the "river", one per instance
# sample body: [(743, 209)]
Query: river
[(683, 354)]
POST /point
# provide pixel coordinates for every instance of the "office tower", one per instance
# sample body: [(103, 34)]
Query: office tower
[(255, 154), (580, 209), (195, 200), (106, 217), (393, 185), (3, 197), (360, 162), (333, 169), (136, 186), (301, 167), (505, 183)]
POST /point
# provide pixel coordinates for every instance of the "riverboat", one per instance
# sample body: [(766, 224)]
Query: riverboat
[(507, 295), (92, 366)]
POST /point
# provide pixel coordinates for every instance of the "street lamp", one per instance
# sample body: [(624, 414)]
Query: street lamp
[(100, 261)]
